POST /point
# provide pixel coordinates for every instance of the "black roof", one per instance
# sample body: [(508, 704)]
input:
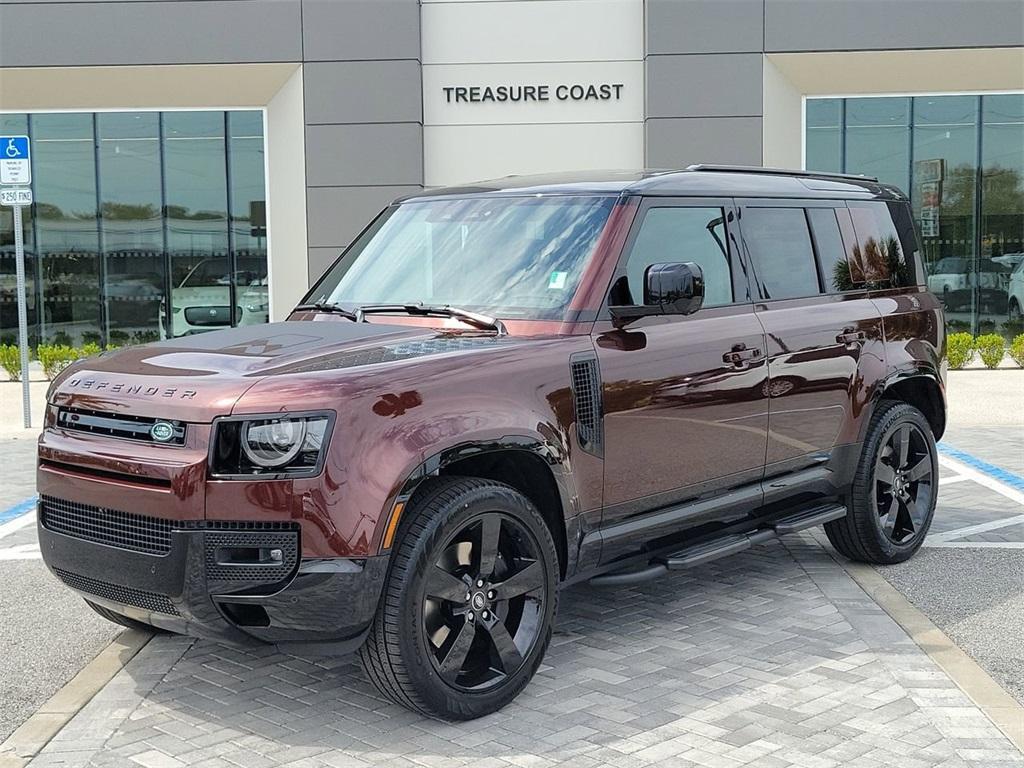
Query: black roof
[(697, 180)]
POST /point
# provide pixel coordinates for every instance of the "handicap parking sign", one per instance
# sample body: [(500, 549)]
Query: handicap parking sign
[(15, 160)]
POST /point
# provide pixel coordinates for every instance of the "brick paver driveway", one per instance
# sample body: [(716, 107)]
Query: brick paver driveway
[(773, 658)]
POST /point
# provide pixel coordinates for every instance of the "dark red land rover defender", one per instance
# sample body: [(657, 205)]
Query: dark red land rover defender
[(497, 391)]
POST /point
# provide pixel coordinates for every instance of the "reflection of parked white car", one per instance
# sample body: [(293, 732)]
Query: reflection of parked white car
[(1010, 260), (954, 280), (1015, 293), (201, 303)]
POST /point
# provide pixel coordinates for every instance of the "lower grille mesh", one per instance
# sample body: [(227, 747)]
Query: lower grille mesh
[(106, 526), (147, 601)]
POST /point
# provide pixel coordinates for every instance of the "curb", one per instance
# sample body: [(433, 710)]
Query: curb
[(1005, 712), (35, 733)]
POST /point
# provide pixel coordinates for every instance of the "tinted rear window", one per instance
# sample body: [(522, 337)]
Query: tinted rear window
[(780, 246)]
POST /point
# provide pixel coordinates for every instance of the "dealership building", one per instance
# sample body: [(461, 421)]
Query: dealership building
[(219, 154)]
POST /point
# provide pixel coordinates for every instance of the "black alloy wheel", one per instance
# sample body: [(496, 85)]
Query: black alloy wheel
[(891, 501), (904, 483), (469, 601), (483, 602)]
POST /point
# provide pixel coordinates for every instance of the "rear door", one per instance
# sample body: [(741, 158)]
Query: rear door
[(685, 411), (821, 327)]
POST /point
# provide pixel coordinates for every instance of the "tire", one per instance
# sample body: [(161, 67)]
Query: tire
[(433, 650), (125, 621), (892, 501)]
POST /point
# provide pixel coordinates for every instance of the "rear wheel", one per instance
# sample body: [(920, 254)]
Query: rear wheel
[(894, 492), (123, 620), (469, 601)]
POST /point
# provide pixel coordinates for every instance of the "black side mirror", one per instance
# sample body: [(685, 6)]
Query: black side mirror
[(675, 288)]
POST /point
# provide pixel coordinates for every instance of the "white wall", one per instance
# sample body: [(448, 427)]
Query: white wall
[(554, 43)]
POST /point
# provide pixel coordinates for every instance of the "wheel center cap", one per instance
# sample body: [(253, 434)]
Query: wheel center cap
[(479, 601)]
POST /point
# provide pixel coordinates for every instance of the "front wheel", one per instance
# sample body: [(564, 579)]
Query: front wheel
[(894, 491), (469, 601)]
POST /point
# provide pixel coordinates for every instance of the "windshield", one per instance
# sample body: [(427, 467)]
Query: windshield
[(508, 257)]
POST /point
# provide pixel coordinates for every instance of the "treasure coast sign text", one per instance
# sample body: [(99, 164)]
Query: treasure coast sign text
[(482, 94)]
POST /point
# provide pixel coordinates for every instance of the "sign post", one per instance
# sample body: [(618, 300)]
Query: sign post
[(16, 168)]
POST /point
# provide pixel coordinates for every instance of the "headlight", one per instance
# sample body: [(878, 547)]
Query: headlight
[(288, 445)]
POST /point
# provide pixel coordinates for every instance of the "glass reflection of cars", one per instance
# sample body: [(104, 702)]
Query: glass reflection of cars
[(201, 301), (1015, 293), (955, 278)]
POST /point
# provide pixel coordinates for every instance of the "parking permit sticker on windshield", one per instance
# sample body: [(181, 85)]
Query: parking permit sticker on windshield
[(557, 280)]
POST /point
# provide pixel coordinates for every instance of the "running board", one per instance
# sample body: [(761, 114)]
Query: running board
[(726, 545)]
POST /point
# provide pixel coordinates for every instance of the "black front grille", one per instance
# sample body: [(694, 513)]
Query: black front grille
[(147, 601), (106, 526), (121, 425), (211, 316)]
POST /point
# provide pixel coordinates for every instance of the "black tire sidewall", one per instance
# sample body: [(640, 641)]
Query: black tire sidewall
[(865, 489), (473, 501)]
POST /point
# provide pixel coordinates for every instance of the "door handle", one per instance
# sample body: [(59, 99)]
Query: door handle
[(850, 336), (740, 355)]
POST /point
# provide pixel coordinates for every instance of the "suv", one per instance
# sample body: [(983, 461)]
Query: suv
[(501, 390)]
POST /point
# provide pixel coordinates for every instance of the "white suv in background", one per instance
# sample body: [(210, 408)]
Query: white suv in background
[(1015, 293)]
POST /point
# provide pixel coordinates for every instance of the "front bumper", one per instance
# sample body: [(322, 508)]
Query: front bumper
[(240, 583)]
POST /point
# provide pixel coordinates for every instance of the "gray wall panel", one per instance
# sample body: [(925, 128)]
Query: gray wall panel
[(363, 92), (713, 85), (809, 25), (319, 259), (704, 26), (339, 30), (371, 155), (678, 142), (185, 32), (335, 215)]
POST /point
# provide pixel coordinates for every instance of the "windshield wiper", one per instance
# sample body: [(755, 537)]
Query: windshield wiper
[(323, 306), (472, 318)]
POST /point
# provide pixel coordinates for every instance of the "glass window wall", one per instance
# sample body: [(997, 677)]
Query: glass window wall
[(961, 159), (145, 225)]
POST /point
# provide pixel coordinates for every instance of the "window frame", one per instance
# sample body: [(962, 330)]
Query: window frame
[(734, 254)]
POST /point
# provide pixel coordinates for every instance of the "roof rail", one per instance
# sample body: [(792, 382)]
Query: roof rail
[(778, 172)]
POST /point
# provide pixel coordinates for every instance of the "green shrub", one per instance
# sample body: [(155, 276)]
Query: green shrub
[(55, 358), (959, 349), (1017, 350), (10, 361), (88, 350), (991, 347)]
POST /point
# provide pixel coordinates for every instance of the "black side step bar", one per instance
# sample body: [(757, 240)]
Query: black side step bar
[(726, 545)]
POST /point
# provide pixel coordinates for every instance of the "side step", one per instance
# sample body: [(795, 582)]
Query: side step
[(726, 545)]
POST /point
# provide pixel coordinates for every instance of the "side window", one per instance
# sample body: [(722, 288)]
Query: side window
[(904, 222), (683, 234), (780, 247), (833, 265), (878, 250)]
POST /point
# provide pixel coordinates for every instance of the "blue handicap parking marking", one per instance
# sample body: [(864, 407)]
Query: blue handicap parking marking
[(997, 473), (18, 510)]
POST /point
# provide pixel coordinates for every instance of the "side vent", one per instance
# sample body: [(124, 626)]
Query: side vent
[(586, 392)]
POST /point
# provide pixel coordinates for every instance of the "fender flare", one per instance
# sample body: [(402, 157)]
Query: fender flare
[(553, 456), (919, 370)]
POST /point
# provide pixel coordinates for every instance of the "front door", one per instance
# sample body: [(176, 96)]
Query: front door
[(686, 412)]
